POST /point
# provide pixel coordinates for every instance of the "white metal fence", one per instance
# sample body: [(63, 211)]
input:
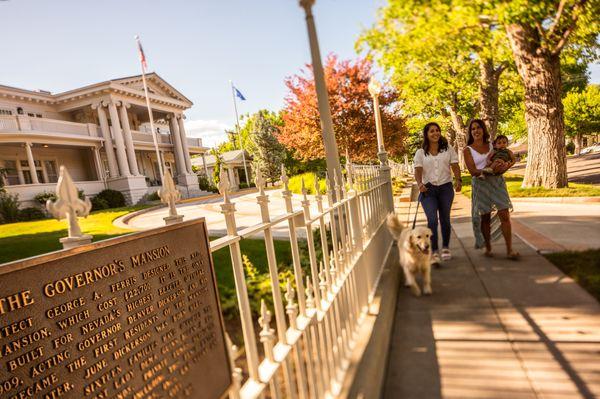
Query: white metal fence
[(306, 347)]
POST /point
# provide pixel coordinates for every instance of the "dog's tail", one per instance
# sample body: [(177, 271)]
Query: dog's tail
[(394, 225)]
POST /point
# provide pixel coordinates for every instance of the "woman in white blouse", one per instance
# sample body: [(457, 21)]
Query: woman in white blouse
[(434, 165)]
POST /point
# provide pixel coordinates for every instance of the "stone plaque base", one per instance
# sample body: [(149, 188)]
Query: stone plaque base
[(169, 220), (72, 242)]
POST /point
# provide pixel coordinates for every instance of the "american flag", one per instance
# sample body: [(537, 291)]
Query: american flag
[(142, 55)]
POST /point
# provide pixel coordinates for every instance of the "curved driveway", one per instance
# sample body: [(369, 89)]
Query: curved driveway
[(247, 213)]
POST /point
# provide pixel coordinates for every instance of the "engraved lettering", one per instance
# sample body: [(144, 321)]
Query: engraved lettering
[(50, 363), (82, 279), (76, 364), (16, 301), (145, 257), (25, 358), (72, 320), (24, 341), (15, 327), (65, 307)]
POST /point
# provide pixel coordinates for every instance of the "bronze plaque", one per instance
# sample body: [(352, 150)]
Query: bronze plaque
[(136, 316)]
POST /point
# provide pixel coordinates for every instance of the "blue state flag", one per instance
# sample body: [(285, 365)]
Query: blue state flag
[(239, 94)]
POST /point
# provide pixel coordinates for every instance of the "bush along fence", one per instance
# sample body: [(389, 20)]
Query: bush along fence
[(309, 333)]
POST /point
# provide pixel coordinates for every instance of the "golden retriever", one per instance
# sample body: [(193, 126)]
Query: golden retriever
[(414, 247)]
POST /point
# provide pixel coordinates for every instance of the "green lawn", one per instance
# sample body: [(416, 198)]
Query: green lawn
[(513, 183), (583, 267), (25, 239)]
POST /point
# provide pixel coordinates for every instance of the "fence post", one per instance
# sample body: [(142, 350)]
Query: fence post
[(228, 210)]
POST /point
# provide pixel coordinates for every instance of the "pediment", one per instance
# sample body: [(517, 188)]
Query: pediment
[(156, 85)]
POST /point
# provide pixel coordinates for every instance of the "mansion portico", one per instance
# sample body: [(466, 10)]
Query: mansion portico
[(101, 133)]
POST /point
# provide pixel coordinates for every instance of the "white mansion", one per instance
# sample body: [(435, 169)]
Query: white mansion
[(100, 133)]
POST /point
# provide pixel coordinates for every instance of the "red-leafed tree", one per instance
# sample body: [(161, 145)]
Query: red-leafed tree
[(351, 108)]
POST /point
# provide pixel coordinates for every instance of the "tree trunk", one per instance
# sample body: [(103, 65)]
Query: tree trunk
[(540, 71), (578, 143), (488, 94), (460, 131)]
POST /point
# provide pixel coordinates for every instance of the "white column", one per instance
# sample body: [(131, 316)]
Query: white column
[(204, 163), (176, 135), (108, 144), (31, 162), (184, 145), (98, 163), (128, 139), (116, 127)]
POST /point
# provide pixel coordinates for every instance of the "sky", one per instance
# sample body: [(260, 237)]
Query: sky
[(197, 46)]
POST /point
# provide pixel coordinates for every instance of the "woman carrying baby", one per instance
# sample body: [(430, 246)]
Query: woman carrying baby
[(435, 163), (489, 193)]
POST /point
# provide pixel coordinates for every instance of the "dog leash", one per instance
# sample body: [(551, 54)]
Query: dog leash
[(416, 211)]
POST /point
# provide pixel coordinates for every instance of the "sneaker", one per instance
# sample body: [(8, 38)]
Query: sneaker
[(435, 259), (446, 255)]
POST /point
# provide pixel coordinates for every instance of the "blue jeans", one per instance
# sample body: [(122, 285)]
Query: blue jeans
[(438, 201)]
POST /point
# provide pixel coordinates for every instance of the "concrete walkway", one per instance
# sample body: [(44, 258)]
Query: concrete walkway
[(247, 213), (495, 328)]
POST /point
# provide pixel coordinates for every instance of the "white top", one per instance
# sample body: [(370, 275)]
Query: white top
[(479, 159), (436, 168)]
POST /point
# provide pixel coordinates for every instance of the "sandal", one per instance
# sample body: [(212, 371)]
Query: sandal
[(445, 254), (513, 255), (488, 254)]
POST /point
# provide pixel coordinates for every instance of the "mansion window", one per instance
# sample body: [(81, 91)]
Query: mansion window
[(11, 174), (5, 112), (17, 172), (27, 172)]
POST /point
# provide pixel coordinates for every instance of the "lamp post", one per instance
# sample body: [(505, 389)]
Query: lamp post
[(375, 90), (331, 150), (386, 174)]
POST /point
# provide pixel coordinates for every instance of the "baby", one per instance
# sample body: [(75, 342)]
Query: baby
[(500, 152)]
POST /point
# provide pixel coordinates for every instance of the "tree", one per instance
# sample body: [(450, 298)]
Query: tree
[(217, 167), (420, 44), (538, 34), (351, 108), (582, 114), (266, 150)]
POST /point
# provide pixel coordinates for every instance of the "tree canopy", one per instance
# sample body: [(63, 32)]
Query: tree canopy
[(351, 108)]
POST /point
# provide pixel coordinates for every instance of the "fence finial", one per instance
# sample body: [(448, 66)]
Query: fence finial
[(69, 206), (169, 194), (332, 268), (260, 182), (224, 185), (323, 281), (284, 178), (267, 334), (291, 307)]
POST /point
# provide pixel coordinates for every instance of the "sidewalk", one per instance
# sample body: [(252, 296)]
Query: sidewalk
[(494, 328)]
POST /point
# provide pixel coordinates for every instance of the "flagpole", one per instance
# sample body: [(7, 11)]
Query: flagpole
[(237, 128), (150, 116)]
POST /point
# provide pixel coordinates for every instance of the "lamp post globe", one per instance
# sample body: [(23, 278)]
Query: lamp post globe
[(374, 87)]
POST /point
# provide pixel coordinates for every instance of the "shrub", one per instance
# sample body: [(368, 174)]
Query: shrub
[(204, 183), (153, 197), (295, 183), (43, 197), (243, 186), (570, 147), (99, 204), (113, 198), (9, 207), (31, 213)]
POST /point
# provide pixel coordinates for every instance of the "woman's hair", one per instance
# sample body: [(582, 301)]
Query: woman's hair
[(486, 135), (442, 144)]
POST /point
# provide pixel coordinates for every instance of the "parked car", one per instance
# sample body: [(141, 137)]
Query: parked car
[(590, 149)]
